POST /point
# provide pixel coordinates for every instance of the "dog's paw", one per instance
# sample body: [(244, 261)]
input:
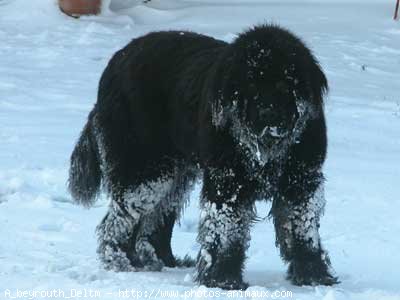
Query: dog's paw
[(114, 259), (226, 284), (153, 266), (311, 273), (147, 256), (301, 280)]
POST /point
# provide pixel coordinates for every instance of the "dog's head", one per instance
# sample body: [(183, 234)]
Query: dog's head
[(271, 86)]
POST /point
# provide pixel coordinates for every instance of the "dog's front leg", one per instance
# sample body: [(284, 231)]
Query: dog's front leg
[(298, 205), (224, 230), (296, 212)]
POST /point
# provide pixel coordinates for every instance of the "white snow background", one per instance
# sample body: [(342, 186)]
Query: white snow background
[(50, 65)]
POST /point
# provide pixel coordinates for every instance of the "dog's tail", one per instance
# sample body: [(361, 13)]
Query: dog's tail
[(84, 172)]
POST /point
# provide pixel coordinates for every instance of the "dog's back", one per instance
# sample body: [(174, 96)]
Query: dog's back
[(152, 85)]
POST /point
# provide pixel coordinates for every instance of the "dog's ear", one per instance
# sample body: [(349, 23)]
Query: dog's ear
[(226, 96), (218, 111), (225, 106)]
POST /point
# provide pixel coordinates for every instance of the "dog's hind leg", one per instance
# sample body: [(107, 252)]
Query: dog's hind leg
[(136, 233), (120, 245), (135, 185), (116, 236), (158, 238), (121, 242), (155, 231)]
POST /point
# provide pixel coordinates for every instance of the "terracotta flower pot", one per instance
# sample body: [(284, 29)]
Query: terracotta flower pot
[(80, 7)]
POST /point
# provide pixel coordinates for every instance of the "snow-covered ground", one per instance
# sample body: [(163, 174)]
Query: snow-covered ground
[(50, 65)]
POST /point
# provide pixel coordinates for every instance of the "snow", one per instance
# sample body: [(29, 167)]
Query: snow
[(50, 65)]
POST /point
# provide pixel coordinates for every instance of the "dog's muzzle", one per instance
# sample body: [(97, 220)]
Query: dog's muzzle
[(291, 128)]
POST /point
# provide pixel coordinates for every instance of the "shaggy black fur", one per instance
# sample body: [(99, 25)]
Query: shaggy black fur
[(246, 116)]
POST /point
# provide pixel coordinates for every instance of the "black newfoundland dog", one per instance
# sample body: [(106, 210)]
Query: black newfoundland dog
[(246, 116)]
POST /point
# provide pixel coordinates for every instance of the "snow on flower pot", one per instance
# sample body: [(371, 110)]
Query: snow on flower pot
[(80, 7)]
